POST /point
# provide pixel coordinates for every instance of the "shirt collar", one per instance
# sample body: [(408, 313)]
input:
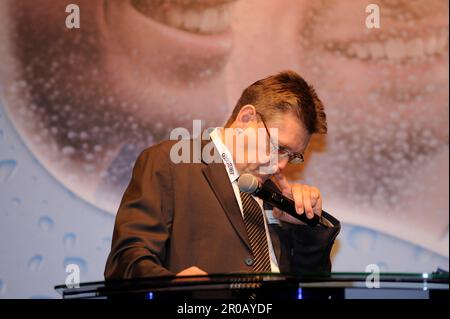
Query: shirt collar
[(225, 154)]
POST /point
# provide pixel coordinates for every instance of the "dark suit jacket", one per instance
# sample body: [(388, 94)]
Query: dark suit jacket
[(173, 216)]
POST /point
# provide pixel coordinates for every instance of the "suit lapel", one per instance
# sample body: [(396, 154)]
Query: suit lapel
[(219, 182)]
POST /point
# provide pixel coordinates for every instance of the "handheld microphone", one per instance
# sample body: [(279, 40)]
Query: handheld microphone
[(249, 184)]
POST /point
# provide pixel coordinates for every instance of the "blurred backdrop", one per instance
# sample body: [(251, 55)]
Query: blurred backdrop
[(78, 105)]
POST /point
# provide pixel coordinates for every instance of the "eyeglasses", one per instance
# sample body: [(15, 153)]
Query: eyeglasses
[(283, 152)]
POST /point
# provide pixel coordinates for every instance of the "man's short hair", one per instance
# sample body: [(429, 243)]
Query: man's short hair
[(281, 93)]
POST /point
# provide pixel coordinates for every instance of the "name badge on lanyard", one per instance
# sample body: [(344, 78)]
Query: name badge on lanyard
[(228, 164)]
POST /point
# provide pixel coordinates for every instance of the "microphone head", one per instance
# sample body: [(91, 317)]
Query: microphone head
[(248, 183)]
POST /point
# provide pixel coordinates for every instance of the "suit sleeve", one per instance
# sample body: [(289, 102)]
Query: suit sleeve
[(311, 246), (143, 222)]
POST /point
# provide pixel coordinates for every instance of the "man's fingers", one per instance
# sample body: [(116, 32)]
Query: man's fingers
[(283, 184), (307, 199), (298, 199), (314, 196), (318, 208), (306, 193), (277, 213), (316, 201)]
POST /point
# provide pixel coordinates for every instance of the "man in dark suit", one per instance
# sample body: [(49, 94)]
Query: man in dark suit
[(190, 218)]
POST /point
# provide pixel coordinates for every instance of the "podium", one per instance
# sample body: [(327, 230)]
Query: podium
[(268, 286)]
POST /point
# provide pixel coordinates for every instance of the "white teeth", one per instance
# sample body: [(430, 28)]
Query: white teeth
[(190, 20), (415, 48), (442, 41), (223, 17), (226, 14), (394, 48), (209, 20), (376, 50), (175, 18), (358, 50), (431, 46), (204, 19), (361, 51)]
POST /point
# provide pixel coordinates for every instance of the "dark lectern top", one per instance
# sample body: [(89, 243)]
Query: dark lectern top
[(269, 286)]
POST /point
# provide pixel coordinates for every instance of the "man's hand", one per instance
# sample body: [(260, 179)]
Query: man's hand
[(192, 271), (307, 200)]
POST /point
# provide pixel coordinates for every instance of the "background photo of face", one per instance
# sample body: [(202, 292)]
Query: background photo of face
[(88, 101), (384, 163)]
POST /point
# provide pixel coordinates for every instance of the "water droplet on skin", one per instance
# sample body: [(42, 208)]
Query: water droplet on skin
[(69, 240), (422, 255), (84, 135), (35, 263), (98, 148), (7, 169), (362, 239), (16, 201), (68, 150), (383, 266), (71, 135), (46, 223)]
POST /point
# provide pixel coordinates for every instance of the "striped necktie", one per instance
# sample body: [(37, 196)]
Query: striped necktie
[(254, 224)]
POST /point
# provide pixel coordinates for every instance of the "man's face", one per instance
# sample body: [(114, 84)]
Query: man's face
[(386, 97), (88, 100), (286, 131)]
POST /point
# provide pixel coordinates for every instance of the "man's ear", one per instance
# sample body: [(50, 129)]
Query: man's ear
[(246, 115)]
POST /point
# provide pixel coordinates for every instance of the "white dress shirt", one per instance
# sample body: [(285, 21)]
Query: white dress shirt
[(233, 175)]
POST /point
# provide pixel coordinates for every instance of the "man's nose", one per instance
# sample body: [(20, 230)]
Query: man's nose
[(282, 163), (279, 166)]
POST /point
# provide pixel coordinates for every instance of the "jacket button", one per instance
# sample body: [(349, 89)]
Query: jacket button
[(249, 261)]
